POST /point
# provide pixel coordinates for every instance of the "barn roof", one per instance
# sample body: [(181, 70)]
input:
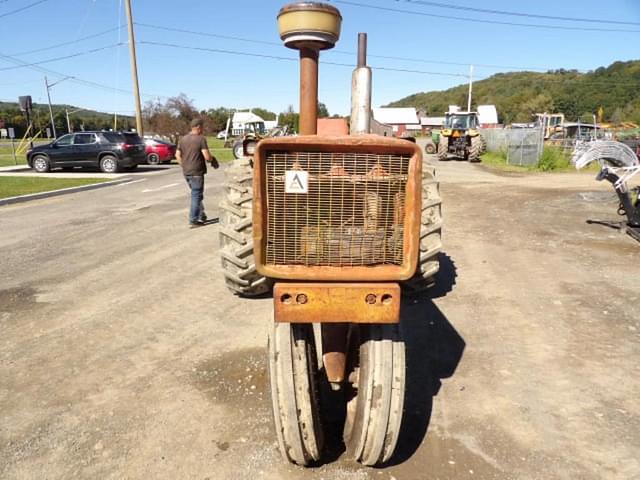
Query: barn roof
[(396, 116), (245, 117)]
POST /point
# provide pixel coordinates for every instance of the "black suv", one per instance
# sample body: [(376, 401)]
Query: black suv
[(108, 151)]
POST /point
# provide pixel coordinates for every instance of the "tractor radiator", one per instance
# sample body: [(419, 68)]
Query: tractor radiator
[(335, 209)]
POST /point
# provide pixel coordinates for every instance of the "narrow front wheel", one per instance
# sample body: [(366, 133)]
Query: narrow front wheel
[(376, 392), (293, 371)]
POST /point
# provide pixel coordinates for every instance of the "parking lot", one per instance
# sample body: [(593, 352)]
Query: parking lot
[(122, 355)]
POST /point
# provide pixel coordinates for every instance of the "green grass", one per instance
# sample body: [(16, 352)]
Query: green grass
[(6, 155), (498, 160), (217, 149), (552, 160), (6, 159), (13, 186)]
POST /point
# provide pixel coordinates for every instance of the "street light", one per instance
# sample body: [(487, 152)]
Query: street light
[(48, 86), (68, 112)]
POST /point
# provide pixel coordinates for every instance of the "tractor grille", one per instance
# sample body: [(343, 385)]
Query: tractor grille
[(351, 214)]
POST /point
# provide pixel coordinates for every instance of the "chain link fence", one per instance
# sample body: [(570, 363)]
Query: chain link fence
[(521, 146)]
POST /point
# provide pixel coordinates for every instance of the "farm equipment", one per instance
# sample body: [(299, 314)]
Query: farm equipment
[(550, 122), (618, 165), (246, 146), (460, 137), (335, 227)]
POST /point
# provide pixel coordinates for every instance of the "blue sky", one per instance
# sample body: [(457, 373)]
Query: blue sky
[(245, 76)]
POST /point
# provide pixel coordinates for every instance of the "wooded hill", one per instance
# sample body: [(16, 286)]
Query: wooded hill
[(91, 120), (518, 95)]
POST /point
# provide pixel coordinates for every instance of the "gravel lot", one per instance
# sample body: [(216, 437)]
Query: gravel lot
[(123, 356)]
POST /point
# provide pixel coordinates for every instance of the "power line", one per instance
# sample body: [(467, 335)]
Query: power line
[(341, 52), (518, 14), (477, 20), (291, 59), (220, 50), (21, 9), (443, 62), (207, 34), (52, 47), (57, 59), (73, 78), (381, 68), (18, 83)]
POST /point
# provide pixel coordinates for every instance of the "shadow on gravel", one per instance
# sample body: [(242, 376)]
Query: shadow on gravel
[(445, 279), (433, 351)]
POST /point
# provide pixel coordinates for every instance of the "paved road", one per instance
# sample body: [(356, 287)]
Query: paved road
[(123, 356)]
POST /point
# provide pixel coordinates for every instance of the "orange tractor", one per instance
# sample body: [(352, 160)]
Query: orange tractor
[(336, 228)]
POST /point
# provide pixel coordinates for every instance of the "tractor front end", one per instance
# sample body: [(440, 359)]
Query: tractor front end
[(341, 225)]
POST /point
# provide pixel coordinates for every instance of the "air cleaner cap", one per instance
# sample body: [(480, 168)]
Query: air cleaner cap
[(309, 25)]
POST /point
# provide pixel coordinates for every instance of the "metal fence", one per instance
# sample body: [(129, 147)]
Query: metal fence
[(521, 146)]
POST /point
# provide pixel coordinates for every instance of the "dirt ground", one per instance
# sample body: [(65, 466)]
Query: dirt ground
[(123, 356)]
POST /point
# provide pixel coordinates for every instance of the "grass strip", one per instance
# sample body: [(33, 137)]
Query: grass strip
[(14, 186), (6, 160), (217, 150), (552, 160)]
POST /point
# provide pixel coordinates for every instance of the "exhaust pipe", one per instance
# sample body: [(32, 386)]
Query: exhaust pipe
[(361, 82)]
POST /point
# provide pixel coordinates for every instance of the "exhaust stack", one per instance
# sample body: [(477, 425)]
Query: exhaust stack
[(361, 82)]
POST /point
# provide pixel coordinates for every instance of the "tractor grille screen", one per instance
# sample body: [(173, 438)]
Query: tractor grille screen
[(335, 209)]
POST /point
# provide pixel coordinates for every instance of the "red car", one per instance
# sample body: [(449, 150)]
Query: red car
[(159, 151)]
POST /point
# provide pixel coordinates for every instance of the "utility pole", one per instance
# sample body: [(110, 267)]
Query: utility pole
[(53, 126), (134, 68), (470, 87)]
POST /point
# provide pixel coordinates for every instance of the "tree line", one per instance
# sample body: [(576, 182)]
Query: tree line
[(612, 93), (169, 118), (12, 116), (174, 115)]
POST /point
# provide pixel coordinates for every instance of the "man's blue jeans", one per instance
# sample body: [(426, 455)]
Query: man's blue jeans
[(196, 184)]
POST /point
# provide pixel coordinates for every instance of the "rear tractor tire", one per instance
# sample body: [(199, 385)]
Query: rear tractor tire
[(236, 233), (295, 398), (443, 148), (238, 149), (377, 382), (476, 149), (430, 235), (430, 148)]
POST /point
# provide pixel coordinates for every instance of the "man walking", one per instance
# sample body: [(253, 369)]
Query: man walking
[(192, 155)]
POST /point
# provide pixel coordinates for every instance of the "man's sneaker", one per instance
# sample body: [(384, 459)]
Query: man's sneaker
[(203, 218), (196, 224)]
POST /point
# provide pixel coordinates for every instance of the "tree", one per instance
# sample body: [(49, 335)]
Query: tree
[(539, 104), (218, 117), (290, 118), (617, 116), (586, 117), (518, 94), (182, 107), (170, 117), (323, 112), (264, 114)]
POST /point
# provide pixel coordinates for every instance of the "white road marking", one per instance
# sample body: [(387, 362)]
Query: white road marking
[(133, 181), (147, 190)]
